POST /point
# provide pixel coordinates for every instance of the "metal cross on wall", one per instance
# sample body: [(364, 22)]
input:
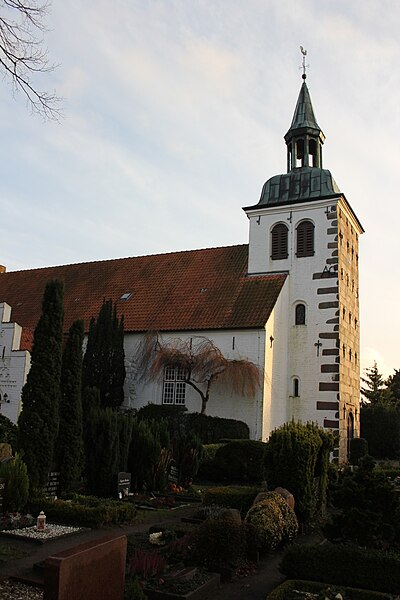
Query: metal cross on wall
[(318, 346)]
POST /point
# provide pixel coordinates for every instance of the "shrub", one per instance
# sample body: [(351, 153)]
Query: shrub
[(147, 564), (219, 542), (289, 590), (149, 455), (343, 565), (16, 491), (242, 461), (271, 522), (8, 431), (358, 449), (102, 451), (105, 512), (297, 458), (134, 590), (240, 497), (380, 426), (368, 506), (208, 469)]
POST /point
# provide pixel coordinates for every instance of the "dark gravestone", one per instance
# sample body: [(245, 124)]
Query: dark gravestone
[(124, 484), (52, 486), (2, 488), (173, 475), (94, 570)]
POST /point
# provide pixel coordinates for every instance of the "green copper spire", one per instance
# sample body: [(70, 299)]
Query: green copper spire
[(304, 113)]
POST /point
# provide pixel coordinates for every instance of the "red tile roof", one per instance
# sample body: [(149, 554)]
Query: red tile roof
[(181, 291)]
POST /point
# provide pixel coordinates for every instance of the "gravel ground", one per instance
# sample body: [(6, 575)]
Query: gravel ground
[(51, 531), (12, 590)]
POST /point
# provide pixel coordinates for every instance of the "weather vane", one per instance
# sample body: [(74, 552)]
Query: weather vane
[(304, 66)]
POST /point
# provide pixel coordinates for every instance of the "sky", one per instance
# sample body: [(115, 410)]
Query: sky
[(174, 117)]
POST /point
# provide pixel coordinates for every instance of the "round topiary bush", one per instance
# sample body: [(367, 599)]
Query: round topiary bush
[(271, 522), (219, 542)]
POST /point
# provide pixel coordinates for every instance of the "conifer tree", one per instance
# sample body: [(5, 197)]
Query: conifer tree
[(70, 437), (38, 422), (374, 388), (103, 364)]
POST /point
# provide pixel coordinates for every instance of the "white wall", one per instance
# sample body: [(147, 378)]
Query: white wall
[(249, 344), (14, 364)]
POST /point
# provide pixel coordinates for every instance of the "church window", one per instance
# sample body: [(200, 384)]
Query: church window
[(344, 351), (344, 312), (341, 273), (296, 387), (300, 314), (349, 318), (279, 242), (305, 239), (355, 323), (355, 357), (350, 354), (174, 386)]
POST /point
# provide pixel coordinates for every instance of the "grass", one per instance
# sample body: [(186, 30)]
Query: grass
[(7, 553)]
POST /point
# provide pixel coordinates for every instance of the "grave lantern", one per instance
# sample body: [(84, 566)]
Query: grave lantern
[(41, 521)]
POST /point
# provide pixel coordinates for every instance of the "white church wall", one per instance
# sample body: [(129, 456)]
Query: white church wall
[(14, 365), (304, 286), (248, 344)]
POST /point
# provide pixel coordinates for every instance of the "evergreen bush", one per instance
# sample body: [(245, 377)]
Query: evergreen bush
[(346, 565), (297, 458), (219, 542), (358, 449), (241, 461), (208, 469), (380, 426), (8, 432), (16, 490), (240, 497), (84, 514), (102, 452), (271, 522), (293, 589), (150, 455)]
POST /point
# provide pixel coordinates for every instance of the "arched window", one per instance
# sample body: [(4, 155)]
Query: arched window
[(296, 387), (300, 314), (279, 242), (305, 239)]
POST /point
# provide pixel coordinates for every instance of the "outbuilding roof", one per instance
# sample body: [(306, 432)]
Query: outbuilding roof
[(180, 291)]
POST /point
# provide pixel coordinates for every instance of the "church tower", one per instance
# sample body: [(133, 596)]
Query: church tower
[(304, 226)]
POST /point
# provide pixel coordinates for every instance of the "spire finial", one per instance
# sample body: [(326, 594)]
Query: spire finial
[(304, 66)]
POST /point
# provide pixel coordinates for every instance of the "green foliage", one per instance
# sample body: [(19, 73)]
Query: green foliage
[(83, 513), (125, 426), (219, 542), (16, 492), (380, 426), (297, 458), (271, 522), (187, 452), (70, 454), (393, 385), (241, 461), (343, 565), (102, 451), (103, 363), (38, 421), (240, 497), (149, 455), (374, 385), (207, 468), (289, 590), (209, 429), (133, 589), (8, 431), (358, 449), (368, 508)]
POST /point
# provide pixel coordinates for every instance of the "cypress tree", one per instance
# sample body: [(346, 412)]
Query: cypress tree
[(38, 422), (103, 364), (102, 452), (70, 437)]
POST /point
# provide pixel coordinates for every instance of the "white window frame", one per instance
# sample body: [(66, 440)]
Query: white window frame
[(174, 386)]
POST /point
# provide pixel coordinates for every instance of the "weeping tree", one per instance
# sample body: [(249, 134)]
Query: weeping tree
[(202, 362), (70, 436), (38, 421)]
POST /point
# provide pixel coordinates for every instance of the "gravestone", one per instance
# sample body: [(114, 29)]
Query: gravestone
[(173, 474), (124, 484), (52, 486)]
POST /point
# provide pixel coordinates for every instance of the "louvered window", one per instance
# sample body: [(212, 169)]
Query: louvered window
[(279, 242), (305, 239)]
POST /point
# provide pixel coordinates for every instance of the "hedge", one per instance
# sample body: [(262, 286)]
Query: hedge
[(344, 565), (287, 591), (69, 512), (240, 497), (241, 461)]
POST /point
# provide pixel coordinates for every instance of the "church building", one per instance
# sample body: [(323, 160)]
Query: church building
[(288, 301)]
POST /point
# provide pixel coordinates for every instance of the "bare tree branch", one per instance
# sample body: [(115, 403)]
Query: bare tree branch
[(202, 361), (23, 55)]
